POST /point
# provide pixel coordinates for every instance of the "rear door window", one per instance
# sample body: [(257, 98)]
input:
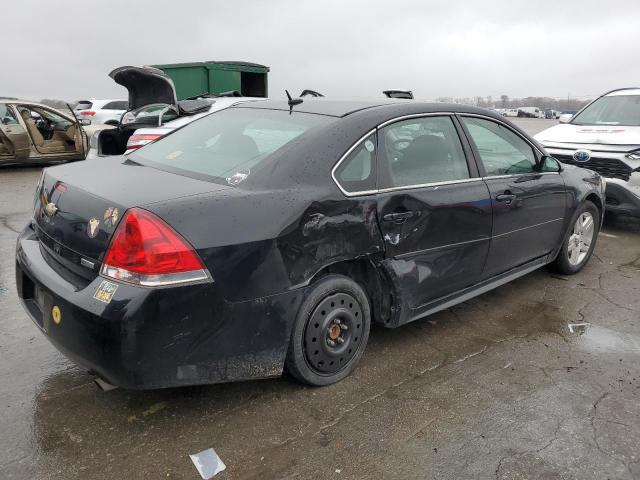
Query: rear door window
[(421, 151), (357, 172), (116, 105)]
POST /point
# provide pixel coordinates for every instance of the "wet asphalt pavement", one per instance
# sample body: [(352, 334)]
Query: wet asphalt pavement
[(497, 387)]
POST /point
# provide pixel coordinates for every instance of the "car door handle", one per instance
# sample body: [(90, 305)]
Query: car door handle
[(398, 217), (506, 198)]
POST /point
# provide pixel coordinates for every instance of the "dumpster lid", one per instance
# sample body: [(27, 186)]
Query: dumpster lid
[(146, 85), (240, 63)]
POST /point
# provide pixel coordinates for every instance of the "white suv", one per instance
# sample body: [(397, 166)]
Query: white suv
[(604, 137), (101, 111)]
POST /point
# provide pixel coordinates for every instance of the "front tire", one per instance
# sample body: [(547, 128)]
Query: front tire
[(330, 333), (580, 241)]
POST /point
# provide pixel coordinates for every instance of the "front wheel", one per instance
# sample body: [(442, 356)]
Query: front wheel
[(330, 333), (580, 241)]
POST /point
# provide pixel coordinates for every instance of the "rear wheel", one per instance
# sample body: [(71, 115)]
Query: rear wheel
[(580, 241), (330, 333)]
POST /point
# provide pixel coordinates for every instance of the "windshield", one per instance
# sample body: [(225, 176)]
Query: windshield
[(226, 145), (613, 110)]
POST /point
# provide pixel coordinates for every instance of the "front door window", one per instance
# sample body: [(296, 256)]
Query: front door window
[(502, 152)]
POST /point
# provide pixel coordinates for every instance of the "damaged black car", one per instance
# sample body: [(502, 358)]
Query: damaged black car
[(272, 235)]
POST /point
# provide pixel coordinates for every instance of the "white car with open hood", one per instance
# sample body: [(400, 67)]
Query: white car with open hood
[(604, 137)]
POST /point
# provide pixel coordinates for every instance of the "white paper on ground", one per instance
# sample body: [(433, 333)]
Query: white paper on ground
[(208, 463)]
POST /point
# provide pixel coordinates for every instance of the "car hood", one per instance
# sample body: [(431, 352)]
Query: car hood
[(590, 134), (146, 85)]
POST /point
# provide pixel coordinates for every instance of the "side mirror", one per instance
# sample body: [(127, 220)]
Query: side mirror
[(550, 164), (84, 122), (565, 118)]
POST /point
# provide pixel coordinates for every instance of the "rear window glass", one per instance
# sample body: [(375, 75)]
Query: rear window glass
[(83, 105), (226, 145)]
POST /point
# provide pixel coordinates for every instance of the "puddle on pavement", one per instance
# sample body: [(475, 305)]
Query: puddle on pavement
[(598, 339)]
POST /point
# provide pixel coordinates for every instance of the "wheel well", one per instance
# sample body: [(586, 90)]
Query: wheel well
[(593, 198), (366, 274)]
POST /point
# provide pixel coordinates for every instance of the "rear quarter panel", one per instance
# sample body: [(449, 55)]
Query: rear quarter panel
[(260, 243)]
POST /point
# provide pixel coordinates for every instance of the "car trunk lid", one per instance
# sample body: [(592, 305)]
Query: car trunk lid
[(78, 206), (146, 86)]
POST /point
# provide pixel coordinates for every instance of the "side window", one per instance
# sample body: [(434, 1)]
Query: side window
[(357, 172), (116, 105), (421, 150), (502, 152), (6, 115)]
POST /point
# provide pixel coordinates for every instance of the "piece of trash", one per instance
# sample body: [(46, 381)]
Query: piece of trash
[(338, 470), (508, 365), (208, 463), (577, 327)]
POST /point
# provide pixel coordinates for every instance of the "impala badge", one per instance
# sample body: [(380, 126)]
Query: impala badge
[(92, 227)]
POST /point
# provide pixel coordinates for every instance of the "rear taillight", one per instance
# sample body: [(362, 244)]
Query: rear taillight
[(146, 251), (140, 140), (87, 113)]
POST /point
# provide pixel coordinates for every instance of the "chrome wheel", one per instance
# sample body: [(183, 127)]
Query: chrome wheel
[(581, 238)]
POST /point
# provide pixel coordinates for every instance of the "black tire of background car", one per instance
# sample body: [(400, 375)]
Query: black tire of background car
[(561, 264), (297, 362)]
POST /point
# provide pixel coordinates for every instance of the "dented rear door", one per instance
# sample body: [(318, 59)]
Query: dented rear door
[(433, 208)]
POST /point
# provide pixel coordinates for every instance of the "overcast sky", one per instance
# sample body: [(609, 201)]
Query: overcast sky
[(64, 49)]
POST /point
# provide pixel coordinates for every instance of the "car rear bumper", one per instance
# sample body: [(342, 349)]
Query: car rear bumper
[(154, 338)]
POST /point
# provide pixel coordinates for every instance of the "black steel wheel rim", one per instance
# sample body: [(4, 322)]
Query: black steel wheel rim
[(333, 333)]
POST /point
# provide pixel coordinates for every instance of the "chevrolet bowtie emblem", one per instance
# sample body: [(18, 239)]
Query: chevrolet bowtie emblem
[(50, 209)]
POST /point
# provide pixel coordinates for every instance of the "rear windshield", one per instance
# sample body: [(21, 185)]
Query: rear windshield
[(614, 110), (226, 145)]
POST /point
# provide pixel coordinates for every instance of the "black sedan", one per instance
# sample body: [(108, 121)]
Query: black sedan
[(273, 234)]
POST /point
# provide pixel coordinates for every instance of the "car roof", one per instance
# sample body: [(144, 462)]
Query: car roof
[(324, 106), (343, 108), (103, 100), (623, 91), (27, 102)]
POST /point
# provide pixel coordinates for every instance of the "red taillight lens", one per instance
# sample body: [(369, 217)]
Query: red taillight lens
[(140, 140), (87, 113), (145, 250)]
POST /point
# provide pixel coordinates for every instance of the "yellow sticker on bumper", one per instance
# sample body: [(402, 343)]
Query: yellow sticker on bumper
[(105, 291)]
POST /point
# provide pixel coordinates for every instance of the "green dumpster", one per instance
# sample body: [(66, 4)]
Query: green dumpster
[(197, 78)]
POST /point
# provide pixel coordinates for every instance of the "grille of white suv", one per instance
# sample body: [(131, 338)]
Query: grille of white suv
[(607, 167)]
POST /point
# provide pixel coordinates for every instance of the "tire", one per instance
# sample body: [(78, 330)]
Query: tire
[(330, 333), (568, 262)]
